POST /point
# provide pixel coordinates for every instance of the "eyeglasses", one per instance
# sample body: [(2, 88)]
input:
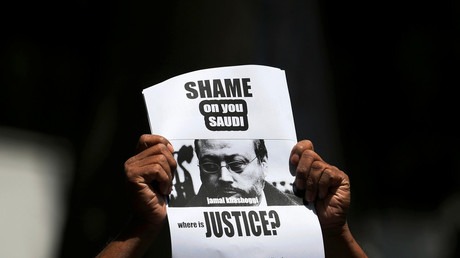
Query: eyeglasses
[(234, 166)]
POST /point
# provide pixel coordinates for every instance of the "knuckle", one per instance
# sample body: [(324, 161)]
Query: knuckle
[(339, 172), (323, 183), (127, 165), (163, 148), (306, 145), (324, 180), (144, 137), (154, 168), (129, 172), (159, 138), (309, 144), (302, 146), (129, 161), (301, 172), (335, 168), (173, 165), (153, 172), (310, 183), (345, 176), (307, 154), (162, 159), (318, 165)]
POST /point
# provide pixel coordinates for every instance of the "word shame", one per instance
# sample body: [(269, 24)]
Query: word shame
[(218, 88)]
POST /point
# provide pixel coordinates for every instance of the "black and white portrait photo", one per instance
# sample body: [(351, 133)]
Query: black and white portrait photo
[(214, 172)]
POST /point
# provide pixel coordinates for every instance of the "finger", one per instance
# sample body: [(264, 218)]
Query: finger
[(148, 163), (166, 161), (296, 154), (152, 174), (148, 140), (298, 149), (313, 178), (303, 145), (302, 171), (331, 179), (159, 148), (324, 183), (158, 177)]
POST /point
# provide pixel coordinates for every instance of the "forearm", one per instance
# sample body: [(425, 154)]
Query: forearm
[(341, 243), (132, 242)]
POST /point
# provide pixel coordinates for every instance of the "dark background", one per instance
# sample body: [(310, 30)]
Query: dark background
[(373, 85)]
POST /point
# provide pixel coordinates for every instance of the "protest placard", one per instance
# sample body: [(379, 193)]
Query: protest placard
[(232, 130)]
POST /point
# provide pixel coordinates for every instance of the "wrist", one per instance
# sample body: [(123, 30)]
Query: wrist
[(339, 242), (133, 241), (337, 231), (146, 229)]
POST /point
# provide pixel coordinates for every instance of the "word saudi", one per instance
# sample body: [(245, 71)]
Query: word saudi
[(222, 115)]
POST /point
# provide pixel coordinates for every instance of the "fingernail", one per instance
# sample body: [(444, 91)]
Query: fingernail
[(294, 159), (170, 147), (298, 192), (300, 184), (165, 190), (309, 196), (169, 189)]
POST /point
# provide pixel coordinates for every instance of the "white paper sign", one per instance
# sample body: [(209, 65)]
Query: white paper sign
[(232, 130)]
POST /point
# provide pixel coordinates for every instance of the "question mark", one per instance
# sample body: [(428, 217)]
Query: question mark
[(276, 224)]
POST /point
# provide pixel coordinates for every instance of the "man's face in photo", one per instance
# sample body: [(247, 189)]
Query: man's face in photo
[(231, 168)]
